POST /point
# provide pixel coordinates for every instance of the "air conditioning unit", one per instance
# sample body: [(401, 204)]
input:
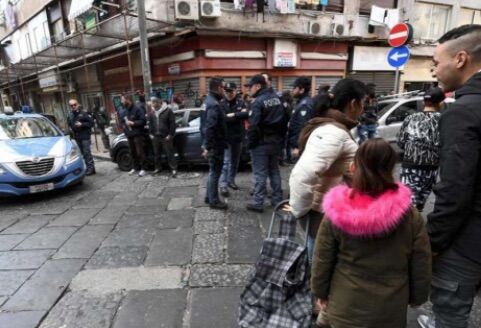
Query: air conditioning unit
[(314, 28), (187, 9), (210, 8), (338, 28)]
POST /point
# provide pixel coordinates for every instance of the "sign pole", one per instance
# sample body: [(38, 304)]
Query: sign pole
[(396, 81)]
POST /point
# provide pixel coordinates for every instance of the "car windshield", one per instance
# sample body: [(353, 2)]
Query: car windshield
[(26, 127), (384, 107)]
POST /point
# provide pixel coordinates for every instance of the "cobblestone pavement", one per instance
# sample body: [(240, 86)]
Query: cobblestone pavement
[(126, 252)]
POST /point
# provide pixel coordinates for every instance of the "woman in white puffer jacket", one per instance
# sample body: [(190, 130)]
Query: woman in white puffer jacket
[(327, 149)]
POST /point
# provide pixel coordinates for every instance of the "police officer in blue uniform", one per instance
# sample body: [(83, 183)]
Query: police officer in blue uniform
[(215, 141), (236, 113), (267, 128), (81, 123), (301, 114)]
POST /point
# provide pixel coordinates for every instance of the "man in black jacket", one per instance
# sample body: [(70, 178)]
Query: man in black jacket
[(267, 129), (236, 114), (81, 123), (454, 226), (133, 124), (162, 130), (215, 141), (303, 112)]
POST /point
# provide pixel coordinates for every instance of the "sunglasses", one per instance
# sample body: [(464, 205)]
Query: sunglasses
[(73, 105)]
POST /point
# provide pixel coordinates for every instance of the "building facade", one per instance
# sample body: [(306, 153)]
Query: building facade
[(89, 49)]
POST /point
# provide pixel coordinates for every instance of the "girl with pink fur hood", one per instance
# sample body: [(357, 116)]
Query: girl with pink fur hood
[(372, 256)]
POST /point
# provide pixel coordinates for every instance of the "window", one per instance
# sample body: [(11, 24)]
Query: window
[(179, 119), (403, 111), (430, 21), (25, 128), (194, 118), (469, 16)]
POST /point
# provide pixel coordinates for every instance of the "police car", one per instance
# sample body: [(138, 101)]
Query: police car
[(35, 156)]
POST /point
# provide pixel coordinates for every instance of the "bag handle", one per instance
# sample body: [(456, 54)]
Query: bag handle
[(287, 228)]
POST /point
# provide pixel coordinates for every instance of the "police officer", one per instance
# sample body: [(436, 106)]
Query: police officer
[(215, 141), (301, 114), (267, 128), (81, 123), (236, 114)]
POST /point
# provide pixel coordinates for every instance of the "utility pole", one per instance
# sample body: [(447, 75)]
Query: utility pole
[(144, 49)]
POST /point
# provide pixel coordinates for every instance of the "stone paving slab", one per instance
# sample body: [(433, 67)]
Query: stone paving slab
[(97, 203), (29, 224), (10, 281), (243, 244), (117, 257), (83, 310), (222, 304), (153, 190), (209, 227), (109, 215), (47, 238), (176, 219), (170, 247), (179, 203), (107, 281), (207, 214), (149, 201), (180, 191), (84, 242), (43, 289), (7, 221), (207, 275), (75, 218), (23, 260), (151, 209), (138, 221), (129, 237), (152, 308), (208, 248), (25, 319), (8, 242)]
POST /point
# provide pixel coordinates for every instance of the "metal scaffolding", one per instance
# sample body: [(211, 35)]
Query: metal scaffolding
[(106, 40)]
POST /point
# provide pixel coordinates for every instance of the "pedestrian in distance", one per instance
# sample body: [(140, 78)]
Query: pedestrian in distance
[(367, 127), (265, 136), (162, 131), (102, 120), (419, 140), (236, 113), (323, 89), (454, 226), (215, 141), (288, 103), (133, 125), (372, 257), (326, 149), (81, 123), (303, 112)]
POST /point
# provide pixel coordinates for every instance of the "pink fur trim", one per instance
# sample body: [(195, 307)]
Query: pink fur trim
[(364, 215)]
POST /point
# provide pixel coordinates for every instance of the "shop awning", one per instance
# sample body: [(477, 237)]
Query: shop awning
[(78, 7)]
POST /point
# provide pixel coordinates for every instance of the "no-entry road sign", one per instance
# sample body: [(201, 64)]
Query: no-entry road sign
[(400, 34)]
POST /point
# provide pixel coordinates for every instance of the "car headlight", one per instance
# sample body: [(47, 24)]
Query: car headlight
[(73, 155)]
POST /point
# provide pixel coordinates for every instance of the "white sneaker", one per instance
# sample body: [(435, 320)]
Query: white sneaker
[(132, 171), (142, 173), (426, 321)]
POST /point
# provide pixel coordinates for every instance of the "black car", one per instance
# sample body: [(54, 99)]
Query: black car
[(187, 142)]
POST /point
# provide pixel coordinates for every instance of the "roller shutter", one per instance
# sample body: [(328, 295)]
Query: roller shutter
[(384, 81)]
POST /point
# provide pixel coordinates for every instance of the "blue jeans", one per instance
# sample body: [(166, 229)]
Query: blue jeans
[(366, 131), (231, 164), (215, 170), (265, 163), (84, 145)]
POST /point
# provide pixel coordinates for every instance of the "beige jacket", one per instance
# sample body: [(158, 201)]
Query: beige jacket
[(326, 158)]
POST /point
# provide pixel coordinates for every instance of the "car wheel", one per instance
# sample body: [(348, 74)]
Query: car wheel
[(123, 159)]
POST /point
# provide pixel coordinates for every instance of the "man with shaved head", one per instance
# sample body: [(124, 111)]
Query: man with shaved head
[(454, 226)]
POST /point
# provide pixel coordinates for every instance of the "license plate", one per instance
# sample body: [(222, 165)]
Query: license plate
[(41, 188)]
